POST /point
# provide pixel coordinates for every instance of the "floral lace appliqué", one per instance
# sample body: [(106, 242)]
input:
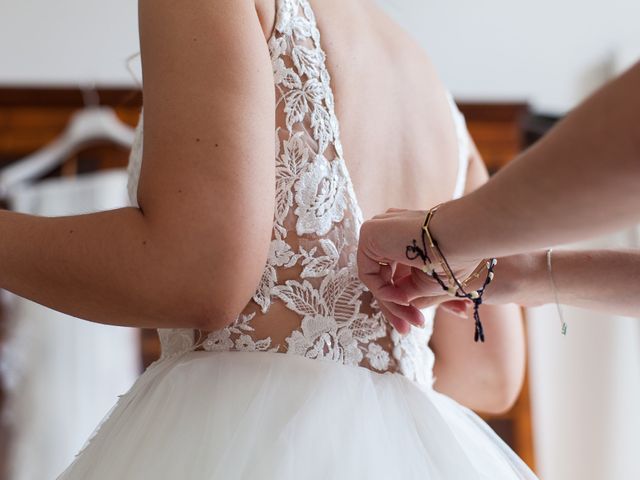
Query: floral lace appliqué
[(315, 230)]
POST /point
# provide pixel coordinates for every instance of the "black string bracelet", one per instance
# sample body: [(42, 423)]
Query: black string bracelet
[(414, 251)]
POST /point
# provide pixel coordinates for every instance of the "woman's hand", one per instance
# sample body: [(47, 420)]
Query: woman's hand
[(520, 279), (382, 258), (395, 278)]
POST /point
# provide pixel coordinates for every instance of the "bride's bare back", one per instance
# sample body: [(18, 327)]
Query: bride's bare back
[(364, 128), (310, 301), (395, 122)]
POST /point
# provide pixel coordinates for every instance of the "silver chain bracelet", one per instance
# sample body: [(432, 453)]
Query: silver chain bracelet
[(563, 323)]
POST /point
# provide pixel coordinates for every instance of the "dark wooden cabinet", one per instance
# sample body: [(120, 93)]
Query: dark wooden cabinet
[(498, 130), (500, 133)]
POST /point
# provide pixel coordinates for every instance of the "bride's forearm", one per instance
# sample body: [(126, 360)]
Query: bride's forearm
[(580, 180), (108, 267)]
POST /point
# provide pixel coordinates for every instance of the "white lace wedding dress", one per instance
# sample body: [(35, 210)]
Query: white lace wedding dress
[(310, 382)]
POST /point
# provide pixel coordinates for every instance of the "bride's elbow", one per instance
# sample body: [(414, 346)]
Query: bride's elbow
[(502, 398), (503, 387), (217, 307), (214, 311), (215, 281), (201, 273), (219, 295), (212, 318)]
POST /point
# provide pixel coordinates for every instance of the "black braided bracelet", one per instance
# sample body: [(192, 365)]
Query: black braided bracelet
[(414, 251)]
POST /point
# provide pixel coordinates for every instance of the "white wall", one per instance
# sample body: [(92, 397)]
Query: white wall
[(64, 42), (551, 52)]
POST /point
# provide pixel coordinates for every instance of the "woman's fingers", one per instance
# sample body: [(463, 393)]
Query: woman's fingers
[(390, 213), (396, 280), (393, 294), (402, 326), (386, 238), (396, 210), (379, 280), (401, 271), (409, 313), (418, 284), (377, 277), (456, 307), (386, 272), (401, 316), (426, 302)]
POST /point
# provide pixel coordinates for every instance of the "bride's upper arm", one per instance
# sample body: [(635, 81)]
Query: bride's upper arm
[(207, 179)]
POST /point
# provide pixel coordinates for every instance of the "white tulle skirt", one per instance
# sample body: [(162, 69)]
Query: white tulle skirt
[(259, 415)]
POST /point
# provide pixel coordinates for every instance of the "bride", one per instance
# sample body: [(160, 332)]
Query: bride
[(261, 148)]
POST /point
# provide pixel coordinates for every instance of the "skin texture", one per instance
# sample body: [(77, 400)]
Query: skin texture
[(603, 280), (487, 376), (192, 255), (582, 177), (415, 157), (208, 146), (583, 180)]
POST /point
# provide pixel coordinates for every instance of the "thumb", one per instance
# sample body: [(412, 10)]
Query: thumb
[(419, 285), (425, 302), (456, 307)]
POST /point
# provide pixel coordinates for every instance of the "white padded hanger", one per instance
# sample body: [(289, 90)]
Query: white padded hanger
[(87, 126)]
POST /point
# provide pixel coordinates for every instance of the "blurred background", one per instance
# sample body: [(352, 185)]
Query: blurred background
[(69, 70)]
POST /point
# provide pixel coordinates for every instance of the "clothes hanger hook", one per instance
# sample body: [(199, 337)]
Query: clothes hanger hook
[(90, 96), (128, 62)]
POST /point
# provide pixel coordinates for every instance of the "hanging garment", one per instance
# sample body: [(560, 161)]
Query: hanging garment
[(62, 373)]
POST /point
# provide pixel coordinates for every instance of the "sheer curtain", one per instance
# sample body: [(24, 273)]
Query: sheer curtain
[(585, 388), (62, 374)]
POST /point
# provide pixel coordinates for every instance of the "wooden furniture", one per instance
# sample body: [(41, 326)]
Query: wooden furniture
[(497, 129), (499, 133), (32, 117)]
